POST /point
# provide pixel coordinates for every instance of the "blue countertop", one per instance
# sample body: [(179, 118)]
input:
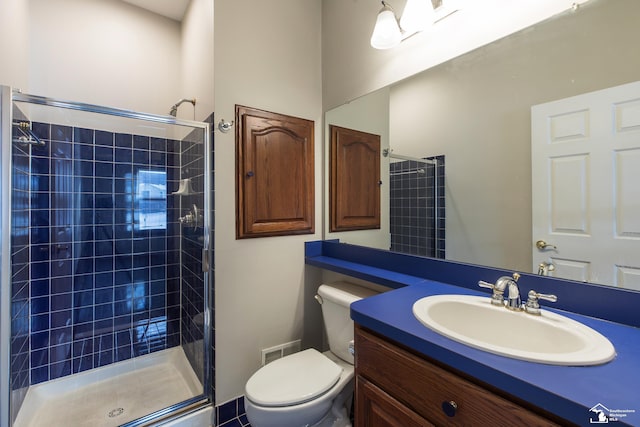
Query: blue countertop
[(569, 392)]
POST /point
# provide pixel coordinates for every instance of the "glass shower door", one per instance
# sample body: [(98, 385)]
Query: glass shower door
[(110, 213)]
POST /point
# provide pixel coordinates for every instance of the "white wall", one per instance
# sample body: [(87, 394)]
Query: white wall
[(267, 56), (197, 60), (352, 68), (14, 43), (104, 52), (109, 53)]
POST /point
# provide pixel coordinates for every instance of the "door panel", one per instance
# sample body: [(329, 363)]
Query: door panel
[(569, 186), (585, 175), (626, 205)]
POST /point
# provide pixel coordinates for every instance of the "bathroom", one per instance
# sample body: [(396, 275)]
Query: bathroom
[(305, 85)]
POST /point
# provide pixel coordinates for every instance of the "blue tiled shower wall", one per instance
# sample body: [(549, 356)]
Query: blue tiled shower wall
[(417, 207), (96, 250), (104, 242)]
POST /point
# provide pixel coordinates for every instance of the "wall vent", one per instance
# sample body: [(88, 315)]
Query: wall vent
[(276, 352)]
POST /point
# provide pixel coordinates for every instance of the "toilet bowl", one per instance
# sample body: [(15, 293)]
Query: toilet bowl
[(302, 398), (309, 388)]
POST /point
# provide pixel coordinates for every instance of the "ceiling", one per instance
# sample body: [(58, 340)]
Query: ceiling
[(173, 9)]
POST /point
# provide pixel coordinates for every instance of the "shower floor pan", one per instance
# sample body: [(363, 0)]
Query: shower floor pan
[(111, 395)]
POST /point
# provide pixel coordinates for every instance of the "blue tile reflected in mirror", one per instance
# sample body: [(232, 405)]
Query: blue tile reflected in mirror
[(417, 206)]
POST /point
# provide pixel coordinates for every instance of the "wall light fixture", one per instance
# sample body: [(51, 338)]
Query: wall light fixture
[(418, 15), (386, 33)]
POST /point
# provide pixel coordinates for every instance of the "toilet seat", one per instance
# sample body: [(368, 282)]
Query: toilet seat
[(294, 379)]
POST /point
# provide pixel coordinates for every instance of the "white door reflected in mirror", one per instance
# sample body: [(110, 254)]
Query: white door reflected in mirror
[(585, 162)]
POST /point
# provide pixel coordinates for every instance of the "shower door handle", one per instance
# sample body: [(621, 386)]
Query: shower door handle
[(205, 261)]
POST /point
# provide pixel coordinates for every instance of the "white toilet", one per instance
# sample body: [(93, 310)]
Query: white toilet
[(310, 388)]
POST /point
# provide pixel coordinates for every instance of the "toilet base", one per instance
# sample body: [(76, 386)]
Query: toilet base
[(331, 421), (338, 416)]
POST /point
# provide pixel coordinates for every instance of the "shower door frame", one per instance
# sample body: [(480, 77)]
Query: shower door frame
[(5, 254), (7, 97)]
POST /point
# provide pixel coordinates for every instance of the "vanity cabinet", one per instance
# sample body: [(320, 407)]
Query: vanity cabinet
[(398, 388)]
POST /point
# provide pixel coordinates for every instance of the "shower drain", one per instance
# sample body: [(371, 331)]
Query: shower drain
[(115, 412)]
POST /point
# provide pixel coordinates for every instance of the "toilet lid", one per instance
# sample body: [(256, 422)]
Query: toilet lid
[(296, 378)]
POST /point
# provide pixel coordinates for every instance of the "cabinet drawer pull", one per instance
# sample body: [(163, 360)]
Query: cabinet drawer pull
[(450, 408), (250, 174)]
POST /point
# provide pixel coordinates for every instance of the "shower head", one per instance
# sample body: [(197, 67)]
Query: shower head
[(174, 108)]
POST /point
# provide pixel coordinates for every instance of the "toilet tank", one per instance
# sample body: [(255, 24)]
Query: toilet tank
[(336, 300)]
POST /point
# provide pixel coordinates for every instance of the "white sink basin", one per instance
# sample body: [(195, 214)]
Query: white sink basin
[(548, 338)]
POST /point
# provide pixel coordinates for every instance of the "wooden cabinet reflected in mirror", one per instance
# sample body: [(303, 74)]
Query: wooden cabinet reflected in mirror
[(354, 180)]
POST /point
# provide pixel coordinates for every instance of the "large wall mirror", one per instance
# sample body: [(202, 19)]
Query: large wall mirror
[(475, 111)]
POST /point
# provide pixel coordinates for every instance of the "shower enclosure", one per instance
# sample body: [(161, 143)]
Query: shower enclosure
[(416, 203), (106, 264)]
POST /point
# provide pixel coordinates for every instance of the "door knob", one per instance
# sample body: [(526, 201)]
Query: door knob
[(542, 245)]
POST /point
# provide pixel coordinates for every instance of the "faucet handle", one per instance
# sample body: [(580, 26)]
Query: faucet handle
[(488, 285), (496, 297), (533, 306)]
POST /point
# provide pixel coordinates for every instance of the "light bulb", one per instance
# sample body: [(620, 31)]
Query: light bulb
[(386, 33), (418, 15)]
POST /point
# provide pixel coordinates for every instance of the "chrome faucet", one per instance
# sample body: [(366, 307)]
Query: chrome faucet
[(513, 301), (193, 218)]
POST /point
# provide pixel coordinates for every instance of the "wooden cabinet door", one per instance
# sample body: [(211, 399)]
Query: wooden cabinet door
[(275, 174), (354, 180), (427, 389), (375, 408)]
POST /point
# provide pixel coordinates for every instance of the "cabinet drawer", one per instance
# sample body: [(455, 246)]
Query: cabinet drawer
[(424, 387)]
